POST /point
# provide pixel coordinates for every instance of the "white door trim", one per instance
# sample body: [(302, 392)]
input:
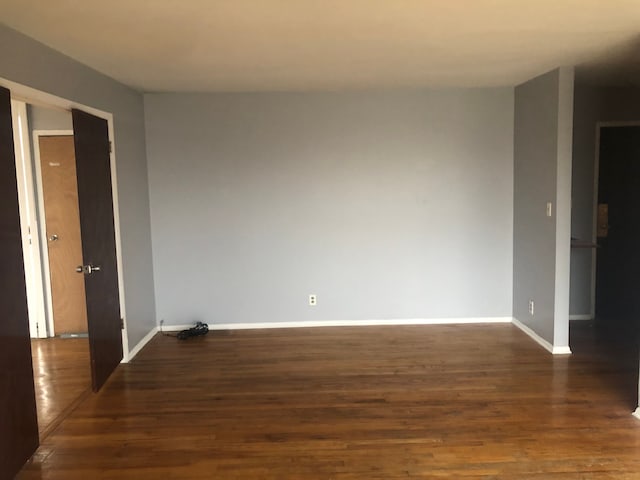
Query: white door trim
[(29, 223), (37, 97)]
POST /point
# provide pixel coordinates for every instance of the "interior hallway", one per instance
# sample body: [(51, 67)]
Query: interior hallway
[(452, 401)]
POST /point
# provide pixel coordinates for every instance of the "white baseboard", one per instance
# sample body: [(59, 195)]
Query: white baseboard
[(135, 350), (363, 323), (637, 413), (368, 323), (585, 316), (541, 341), (344, 323), (561, 350)]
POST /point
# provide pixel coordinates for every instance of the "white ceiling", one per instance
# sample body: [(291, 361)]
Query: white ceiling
[(252, 45)]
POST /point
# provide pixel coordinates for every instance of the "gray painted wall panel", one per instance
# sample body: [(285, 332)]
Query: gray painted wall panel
[(386, 205), (25, 61), (542, 174), (41, 118), (535, 175)]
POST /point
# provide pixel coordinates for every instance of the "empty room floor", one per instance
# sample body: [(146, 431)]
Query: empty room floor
[(451, 401)]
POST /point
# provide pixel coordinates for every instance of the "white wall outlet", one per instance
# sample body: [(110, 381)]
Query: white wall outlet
[(549, 209), (313, 300), (531, 307)]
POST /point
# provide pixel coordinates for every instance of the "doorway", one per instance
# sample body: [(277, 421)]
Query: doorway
[(617, 303), (60, 220), (46, 169), (20, 245), (71, 353), (614, 331)]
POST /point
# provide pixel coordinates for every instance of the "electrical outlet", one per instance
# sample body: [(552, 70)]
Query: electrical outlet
[(549, 209), (313, 300), (531, 306)]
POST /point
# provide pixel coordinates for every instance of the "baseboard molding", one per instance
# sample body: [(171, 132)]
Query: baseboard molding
[(140, 345), (344, 323), (585, 316), (561, 350), (637, 413), (541, 341), (369, 323)]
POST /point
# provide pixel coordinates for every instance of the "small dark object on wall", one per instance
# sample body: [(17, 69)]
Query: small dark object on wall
[(199, 329)]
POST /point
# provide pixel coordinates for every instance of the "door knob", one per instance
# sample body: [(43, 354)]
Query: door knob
[(87, 269), (53, 238)]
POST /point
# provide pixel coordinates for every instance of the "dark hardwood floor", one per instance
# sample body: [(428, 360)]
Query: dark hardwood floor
[(61, 376), (452, 401)]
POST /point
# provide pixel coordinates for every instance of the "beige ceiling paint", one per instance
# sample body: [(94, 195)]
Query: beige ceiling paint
[(240, 45)]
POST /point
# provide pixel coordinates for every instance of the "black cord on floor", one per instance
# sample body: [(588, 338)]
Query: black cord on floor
[(199, 329), (196, 331)]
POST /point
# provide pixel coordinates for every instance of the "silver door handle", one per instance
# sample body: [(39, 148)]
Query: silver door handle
[(87, 269), (53, 238)]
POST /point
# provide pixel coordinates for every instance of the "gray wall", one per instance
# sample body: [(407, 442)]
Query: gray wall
[(592, 105), (387, 205), (542, 173), (30, 63), (41, 118)]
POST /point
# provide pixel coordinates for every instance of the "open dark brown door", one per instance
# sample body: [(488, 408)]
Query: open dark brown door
[(18, 415), (93, 167)]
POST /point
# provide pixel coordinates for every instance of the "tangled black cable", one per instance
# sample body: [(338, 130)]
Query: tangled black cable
[(199, 329), (196, 331)]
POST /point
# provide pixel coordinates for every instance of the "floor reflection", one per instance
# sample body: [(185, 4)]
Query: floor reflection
[(61, 376), (610, 354)]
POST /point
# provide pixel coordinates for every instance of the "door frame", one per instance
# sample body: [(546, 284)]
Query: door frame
[(29, 224), (33, 96), (594, 218), (42, 223)]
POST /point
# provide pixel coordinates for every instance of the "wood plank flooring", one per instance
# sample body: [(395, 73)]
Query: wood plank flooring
[(61, 376), (451, 401)]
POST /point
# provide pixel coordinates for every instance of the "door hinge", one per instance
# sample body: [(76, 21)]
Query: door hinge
[(110, 146), (122, 324)]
